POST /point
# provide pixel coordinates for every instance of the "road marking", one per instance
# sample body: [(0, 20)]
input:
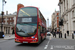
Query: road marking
[(51, 47), (47, 45), (62, 47)]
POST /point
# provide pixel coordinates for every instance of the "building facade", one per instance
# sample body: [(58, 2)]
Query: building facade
[(55, 21), (53, 15), (9, 21), (67, 13)]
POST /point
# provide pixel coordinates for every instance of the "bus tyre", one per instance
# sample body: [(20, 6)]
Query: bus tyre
[(39, 41)]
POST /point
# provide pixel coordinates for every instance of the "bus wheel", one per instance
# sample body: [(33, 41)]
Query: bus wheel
[(39, 41)]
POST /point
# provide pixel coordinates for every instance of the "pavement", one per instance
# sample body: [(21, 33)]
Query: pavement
[(63, 36), (8, 36)]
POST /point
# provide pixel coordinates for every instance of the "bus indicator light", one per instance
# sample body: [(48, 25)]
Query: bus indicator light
[(23, 37), (32, 37)]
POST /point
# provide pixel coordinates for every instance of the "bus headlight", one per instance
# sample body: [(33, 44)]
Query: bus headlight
[(35, 38)]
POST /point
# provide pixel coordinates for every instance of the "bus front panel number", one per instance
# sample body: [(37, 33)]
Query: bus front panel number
[(26, 19)]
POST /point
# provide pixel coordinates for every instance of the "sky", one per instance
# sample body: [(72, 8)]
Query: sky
[(47, 7)]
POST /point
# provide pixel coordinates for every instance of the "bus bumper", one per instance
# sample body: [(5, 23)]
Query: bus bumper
[(18, 40)]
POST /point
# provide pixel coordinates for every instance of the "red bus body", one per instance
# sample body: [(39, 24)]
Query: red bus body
[(41, 23)]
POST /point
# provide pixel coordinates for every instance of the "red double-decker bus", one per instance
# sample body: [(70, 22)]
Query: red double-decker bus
[(30, 25)]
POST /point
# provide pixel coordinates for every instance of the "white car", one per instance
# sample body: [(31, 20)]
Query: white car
[(48, 33)]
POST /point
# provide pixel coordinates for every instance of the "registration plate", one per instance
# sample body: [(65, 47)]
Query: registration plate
[(25, 42)]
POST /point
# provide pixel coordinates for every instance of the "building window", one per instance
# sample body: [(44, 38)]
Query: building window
[(10, 22), (72, 13), (13, 23), (13, 18), (73, 1), (4, 19), (64, 5), (73, 25), (67, 4), (10, 18), (66, 17), (7, 22), (7, 18), (2, 22)]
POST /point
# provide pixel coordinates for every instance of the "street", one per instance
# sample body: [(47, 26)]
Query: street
[(47, 44), (11, 45), (26, 22), (61, 44)]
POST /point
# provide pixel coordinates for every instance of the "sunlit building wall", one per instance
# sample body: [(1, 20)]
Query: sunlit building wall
[(9, 21), (67, 8), (55, 20)]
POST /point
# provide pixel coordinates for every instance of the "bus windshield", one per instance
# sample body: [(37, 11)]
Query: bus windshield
[(27, 12), (26, 29)]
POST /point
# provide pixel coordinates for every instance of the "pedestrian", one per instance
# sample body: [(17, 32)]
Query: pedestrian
[(57, 32), (67, 33), (13, 32), (54, 34), (74, 32), (72, 35), (60, 34)]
